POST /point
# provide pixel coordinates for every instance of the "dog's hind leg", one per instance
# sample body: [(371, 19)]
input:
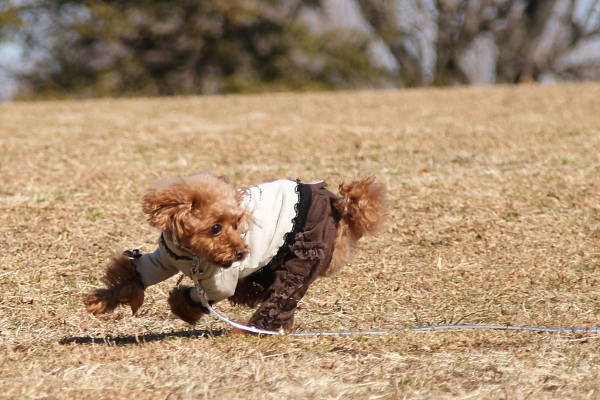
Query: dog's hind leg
[(290, 283)]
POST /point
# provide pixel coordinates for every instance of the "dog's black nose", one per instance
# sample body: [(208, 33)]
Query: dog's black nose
[(239, 253)]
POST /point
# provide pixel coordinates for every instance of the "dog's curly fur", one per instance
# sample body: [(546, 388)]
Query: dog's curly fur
[(363, 208), (189, 210), (123, 287), (183, 306)]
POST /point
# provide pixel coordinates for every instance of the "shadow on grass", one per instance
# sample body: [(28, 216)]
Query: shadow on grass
[(138, 339)]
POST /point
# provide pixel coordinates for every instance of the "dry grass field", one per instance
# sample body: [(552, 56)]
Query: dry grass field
[(495, 219)]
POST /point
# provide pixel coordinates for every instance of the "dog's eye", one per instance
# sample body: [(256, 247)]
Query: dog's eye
[(216, 229), (235, 226)]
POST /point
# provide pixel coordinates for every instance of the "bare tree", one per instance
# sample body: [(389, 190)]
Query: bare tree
[(487, 41), (559, 32), (121, 48), (402, 37), (117, 48)]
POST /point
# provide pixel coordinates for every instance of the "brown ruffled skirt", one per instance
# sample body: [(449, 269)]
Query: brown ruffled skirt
[(281, 285)]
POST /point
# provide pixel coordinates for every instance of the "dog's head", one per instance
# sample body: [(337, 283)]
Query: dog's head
[(204, 214)]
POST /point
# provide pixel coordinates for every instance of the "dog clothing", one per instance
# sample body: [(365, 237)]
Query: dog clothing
[(289, 246)]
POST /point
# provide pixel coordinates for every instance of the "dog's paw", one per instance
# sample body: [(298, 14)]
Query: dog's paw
[(98, 302), (184, 307), (102, 301)]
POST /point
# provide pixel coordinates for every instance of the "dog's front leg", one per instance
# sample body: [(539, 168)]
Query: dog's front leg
[(184, 306), (123, 287)]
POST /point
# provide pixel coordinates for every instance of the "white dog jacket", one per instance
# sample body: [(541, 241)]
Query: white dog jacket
[(275, 207)]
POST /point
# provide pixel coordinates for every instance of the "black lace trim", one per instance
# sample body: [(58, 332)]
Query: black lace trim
[(298, 223), (171, 253)]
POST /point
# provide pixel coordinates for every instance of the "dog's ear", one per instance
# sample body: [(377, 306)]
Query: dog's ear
[(164, 204), (246, 218)]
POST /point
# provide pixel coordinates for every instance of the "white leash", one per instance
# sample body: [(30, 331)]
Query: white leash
[(205, 303), (243, 327), (428, 328)]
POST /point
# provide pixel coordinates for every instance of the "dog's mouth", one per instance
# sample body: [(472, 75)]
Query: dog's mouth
[(238, 255)]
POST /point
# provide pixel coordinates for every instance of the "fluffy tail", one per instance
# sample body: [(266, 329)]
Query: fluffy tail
[(363, 209), (123, 287)]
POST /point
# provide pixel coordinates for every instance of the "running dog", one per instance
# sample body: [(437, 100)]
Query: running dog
[(259, 246)]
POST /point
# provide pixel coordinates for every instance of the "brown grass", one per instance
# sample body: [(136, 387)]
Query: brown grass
[(495, 218)]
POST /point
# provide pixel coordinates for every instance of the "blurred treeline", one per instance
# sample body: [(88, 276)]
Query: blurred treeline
[(150, 47)]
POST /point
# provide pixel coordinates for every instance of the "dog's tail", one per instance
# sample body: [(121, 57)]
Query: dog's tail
[(363, 207), (123, 287)]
